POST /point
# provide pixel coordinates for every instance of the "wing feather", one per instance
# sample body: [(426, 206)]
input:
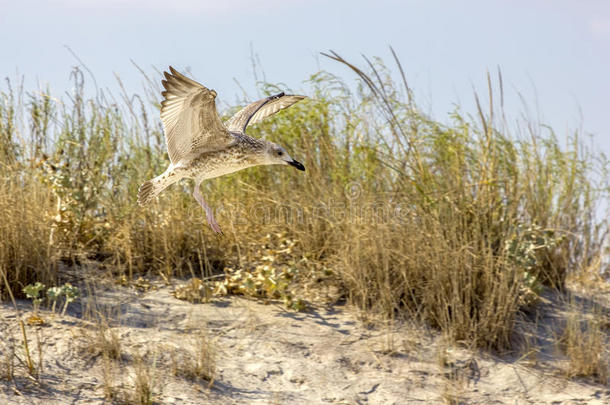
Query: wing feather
[(259, 110), (189, 117)]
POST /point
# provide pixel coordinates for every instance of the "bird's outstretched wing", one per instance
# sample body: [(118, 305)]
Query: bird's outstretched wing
[(189, 117), (259, 110)]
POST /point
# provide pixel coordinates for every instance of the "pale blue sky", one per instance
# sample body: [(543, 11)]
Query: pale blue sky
[(555, 52)]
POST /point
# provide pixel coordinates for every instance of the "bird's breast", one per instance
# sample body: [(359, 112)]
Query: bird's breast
[(219, 164)]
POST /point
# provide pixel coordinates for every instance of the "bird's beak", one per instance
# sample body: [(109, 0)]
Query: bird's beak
[(296, 164)]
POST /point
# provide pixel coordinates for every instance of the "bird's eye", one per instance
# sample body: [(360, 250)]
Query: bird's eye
[(280, 153)]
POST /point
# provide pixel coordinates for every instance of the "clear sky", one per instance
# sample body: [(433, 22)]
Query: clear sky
[(555, 52)]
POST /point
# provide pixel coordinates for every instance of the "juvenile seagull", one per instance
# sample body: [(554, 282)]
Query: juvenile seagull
[(201, 147)]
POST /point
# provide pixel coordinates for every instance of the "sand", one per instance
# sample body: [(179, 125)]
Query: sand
[(264, 354)]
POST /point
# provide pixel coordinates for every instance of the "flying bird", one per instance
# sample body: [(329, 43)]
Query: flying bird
[(201, 147)]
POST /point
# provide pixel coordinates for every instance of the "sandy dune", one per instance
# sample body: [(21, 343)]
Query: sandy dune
[(266, 354)]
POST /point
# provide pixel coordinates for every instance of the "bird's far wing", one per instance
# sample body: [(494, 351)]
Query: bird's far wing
[(259, 110), (189, 117)]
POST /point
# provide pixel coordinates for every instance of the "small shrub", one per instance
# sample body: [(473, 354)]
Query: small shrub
[(145, 382), (585, 345), (197, 360), (32, 291)]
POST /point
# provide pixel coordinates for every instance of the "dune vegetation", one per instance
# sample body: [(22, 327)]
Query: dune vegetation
[(458, 224)]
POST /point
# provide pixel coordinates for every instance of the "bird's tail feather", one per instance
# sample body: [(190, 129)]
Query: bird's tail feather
[(151, 188), (146, 192)]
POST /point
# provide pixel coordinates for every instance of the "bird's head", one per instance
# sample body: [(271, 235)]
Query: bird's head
[(276, 155)]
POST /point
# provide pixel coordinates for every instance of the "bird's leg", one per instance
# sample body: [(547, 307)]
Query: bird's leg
[(208, 211)]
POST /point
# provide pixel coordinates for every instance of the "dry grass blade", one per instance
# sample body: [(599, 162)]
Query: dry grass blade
[(403, 76)]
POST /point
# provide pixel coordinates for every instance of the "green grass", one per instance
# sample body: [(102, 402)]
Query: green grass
[(446, 223)]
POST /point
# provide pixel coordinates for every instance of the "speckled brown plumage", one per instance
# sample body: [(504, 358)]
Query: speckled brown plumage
[(201, 147)]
